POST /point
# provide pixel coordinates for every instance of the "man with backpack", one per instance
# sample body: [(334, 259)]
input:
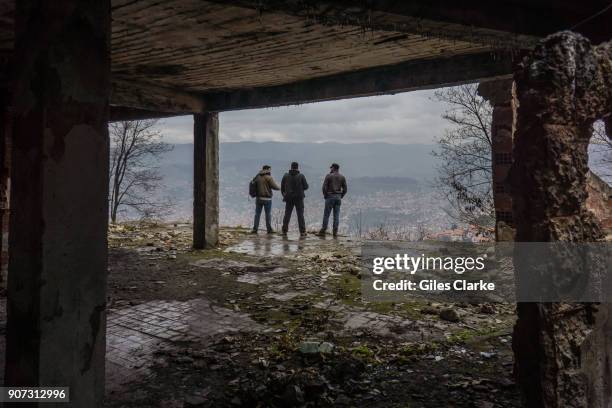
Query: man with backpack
[(261, 188), (334, 190), (293, 186)]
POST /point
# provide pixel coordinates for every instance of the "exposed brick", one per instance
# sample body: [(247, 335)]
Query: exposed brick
[(501, 95)]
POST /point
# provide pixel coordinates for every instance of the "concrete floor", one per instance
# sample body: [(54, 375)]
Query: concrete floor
[(135, 333), (258, 290)]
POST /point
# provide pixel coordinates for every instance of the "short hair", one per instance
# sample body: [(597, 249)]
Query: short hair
[(335, 166), (266, 167), (294, 165)]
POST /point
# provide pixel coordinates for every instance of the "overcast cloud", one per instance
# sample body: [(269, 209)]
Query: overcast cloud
[(411, 117)]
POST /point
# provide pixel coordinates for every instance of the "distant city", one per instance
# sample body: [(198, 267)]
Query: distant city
[(390, 189)]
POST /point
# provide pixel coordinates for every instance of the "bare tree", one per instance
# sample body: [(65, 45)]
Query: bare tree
[(601, 149), (421, 233), (464, 169), (379, 233), (357, 225), (135, 148)]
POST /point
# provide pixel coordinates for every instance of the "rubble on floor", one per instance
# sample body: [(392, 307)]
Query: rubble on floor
[(263, 324)]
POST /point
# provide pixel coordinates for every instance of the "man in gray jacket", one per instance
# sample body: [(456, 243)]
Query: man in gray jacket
[(334, 190)]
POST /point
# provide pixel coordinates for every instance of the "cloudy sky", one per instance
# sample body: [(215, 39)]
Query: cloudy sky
[(412, 117)]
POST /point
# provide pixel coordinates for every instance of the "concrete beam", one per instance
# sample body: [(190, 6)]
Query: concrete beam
[(409, 76), (59, 198), (144, 96), (205, 180), (119, 113), (511, 23)]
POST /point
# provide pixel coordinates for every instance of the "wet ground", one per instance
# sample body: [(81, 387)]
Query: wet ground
[(272, 321), (267, 321)]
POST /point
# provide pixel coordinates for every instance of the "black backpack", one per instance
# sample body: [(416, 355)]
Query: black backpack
[(253, 187)]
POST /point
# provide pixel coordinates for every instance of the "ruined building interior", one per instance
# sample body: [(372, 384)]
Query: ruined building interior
[(68, 67)]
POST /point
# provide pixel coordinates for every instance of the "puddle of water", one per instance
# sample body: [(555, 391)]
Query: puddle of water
[(268, 246), (277, 245)]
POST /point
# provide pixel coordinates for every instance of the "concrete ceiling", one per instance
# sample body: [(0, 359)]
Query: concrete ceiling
[(204, 46), (181, 56)]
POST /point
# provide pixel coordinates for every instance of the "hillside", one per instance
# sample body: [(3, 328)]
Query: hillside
[(387, 182)]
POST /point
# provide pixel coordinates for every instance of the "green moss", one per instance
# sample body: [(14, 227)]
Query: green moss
[(286, 344), (381, 307), (462, 336), (347, 289), (362, 351), (473, 337)]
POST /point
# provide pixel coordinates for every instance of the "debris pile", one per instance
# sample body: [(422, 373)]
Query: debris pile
[(317, 341)]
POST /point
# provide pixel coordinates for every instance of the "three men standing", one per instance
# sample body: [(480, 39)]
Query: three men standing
[(264, 184), (293, 186), (334, 190)]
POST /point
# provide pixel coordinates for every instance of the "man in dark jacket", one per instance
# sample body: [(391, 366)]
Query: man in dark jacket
[(293, 186), (334, 190), (265, 185)]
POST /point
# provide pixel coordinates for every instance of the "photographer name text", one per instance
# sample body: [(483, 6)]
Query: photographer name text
[(460, 285)]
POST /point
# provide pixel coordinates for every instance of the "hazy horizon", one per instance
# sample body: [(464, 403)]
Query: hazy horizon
[(403, 118), (317, 143), (388, 183)]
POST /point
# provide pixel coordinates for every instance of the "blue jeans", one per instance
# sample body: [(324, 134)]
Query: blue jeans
[(267, 206), (331, 203)]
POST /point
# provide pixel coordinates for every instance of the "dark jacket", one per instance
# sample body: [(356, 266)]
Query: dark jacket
[(334, 185), (293, 185), (265, 184)]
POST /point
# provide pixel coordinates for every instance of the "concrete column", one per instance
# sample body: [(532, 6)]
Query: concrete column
[(501, 95), (563, 353), (205, 180), (59, 198), (5, 186)]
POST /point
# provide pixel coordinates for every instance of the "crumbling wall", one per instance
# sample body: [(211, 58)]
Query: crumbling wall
[(599, 201), (561, 350), (5, 184)]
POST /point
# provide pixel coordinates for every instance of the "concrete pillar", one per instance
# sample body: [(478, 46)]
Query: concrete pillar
[(5, 185), (501, 95), (563, 353), (59, 198), (205, 180)]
